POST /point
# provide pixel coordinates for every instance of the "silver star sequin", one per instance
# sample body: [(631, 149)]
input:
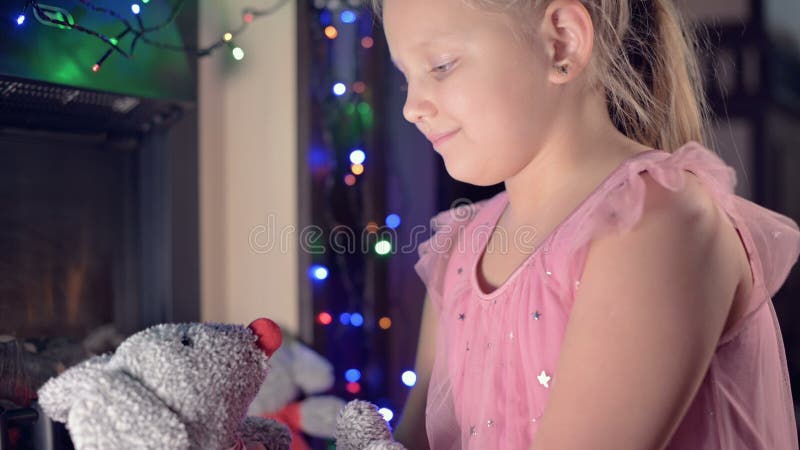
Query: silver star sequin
[(544, 379), (536, 315), (461, 316), (473, 431), (490, 423)]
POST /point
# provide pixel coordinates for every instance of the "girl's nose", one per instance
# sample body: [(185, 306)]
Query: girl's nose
[(418, 106)]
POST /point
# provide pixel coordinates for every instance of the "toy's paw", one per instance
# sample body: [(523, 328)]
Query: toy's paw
[(59, 393), (273, 434), (385, 445), (360, 426)]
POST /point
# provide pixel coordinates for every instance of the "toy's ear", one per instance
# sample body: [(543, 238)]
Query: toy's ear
[(59, 393)]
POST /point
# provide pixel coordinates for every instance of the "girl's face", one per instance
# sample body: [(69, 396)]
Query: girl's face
[(471, 80)]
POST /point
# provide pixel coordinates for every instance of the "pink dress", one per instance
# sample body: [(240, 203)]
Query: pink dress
[(495, 352)]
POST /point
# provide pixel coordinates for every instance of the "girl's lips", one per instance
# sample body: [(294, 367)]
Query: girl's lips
[(441, 138)]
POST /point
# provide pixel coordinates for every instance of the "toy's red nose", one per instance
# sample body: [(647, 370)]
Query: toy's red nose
[(268, 334)]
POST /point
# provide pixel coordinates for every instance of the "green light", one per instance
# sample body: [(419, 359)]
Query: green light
[(47, 13), (113, 41), (145, 1), (62, 18), (366, 114), (383, 248), (350, 109), (364, 108)]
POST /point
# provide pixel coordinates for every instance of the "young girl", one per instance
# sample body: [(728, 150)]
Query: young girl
[(617, 294)]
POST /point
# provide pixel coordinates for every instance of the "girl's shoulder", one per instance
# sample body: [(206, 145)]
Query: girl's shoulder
[(693, 180), (690, 177)]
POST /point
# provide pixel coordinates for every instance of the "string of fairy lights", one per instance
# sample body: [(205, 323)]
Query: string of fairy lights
[(132, 23), (343, 29)]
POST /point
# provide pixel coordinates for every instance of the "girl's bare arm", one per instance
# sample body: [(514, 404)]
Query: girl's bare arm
[(411, 429)]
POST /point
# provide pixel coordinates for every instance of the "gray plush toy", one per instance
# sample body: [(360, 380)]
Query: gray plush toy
[(172, 386), (360, 426)]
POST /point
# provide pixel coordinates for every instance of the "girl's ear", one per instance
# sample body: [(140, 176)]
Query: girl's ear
[(568, 34)]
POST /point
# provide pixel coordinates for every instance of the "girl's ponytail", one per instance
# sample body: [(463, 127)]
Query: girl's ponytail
[(654, 85)]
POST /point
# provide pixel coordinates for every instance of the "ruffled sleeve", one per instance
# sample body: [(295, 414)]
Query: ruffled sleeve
[(771, 240), (435, 253), (622, 205), (775, 240)]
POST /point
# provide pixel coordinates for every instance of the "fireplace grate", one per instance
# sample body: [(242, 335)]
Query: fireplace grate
[(32, 104)]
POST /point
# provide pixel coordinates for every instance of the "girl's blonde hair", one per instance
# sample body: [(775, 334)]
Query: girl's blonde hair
[(645, 60)]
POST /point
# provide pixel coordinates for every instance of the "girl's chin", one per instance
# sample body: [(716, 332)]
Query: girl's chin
[(465, 172)]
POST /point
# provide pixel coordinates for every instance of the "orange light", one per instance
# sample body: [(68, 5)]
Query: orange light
[(350, 179), (331, 32), (357, 169), (359, 87), (353, 387), (385, 323), (372, 227), (367, 42), (324, 318)]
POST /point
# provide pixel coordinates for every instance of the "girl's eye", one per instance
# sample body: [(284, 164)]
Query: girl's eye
[(443, 67), (440, 69)]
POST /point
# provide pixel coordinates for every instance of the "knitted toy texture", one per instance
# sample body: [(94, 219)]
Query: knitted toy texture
[(360, 426), (175, 386)]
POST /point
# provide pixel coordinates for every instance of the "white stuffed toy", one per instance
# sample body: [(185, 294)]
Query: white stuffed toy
[(171, 386)]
